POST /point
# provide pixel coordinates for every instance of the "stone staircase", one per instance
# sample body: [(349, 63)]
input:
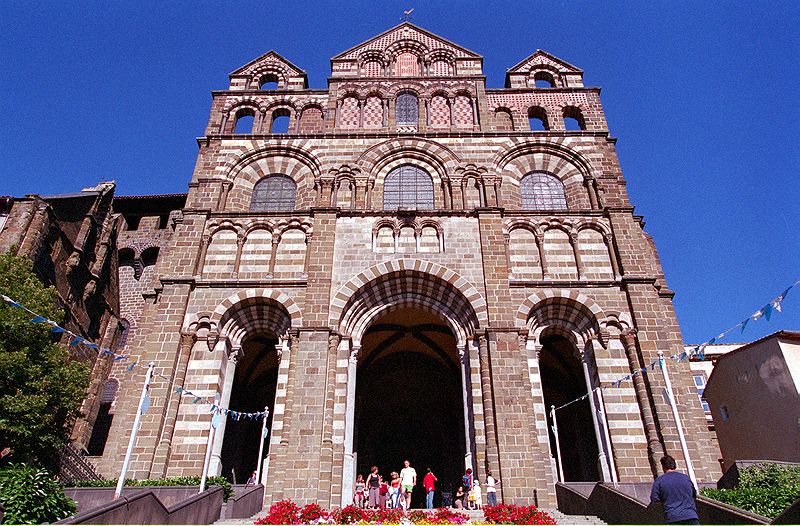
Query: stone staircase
[(474, 515)]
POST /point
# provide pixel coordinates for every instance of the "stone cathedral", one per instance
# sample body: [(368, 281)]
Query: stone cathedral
[(406, 265)]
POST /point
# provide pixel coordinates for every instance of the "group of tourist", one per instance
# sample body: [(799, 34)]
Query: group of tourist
[(376, 493)]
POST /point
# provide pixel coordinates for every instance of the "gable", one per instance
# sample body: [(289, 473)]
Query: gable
[(542, 58), (270, 58), (406, 32)]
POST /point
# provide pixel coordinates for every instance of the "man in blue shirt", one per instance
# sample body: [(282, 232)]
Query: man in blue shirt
[(676, 491)]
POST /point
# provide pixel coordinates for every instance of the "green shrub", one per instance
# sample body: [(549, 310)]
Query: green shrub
[(766, 489), (32, 496), (227, 489)]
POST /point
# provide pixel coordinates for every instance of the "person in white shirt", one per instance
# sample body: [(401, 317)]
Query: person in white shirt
[(408, 479), (491, 489)]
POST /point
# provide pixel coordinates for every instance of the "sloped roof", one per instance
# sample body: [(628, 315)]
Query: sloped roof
[(264, 58), (406, 31), (543, 57)]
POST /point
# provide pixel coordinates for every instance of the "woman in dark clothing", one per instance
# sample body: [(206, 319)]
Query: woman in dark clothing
[(459, 500), (373, 486)]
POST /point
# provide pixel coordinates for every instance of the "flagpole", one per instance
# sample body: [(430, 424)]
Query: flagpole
[(260, 462), (136, 421), (558, 446), (211, 432), (676, 416)]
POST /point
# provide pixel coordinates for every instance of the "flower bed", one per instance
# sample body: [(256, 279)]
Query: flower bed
[(287, 512), (510, 514)]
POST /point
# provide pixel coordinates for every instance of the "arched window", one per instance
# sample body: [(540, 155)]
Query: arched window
[(280, 121), (573, 118), (408, 187), (245, 118), (274, 193), (407, 109), (542, 191), (543, 79), (123, 335), (537, 118), (268, 82)]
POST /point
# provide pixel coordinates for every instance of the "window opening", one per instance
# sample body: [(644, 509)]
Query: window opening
[(542, 191), (268, 82), (573, 119), (244, 122), (700, 384), (537, 118), (407, 109), (408, 187), (274, 193), (543, 79), (280, 121)]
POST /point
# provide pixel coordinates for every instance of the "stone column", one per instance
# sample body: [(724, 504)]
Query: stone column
[(463, 355), (289, 344), (601, 455), (224, 123), (360, 113), (573, 241), (215, 467), (655, 449), (349, 471), (223, 198), (276, 239), (238, 260), (492, 453), (612, 256), (201, 254), (540, 247), (326, 453), (164, 448)]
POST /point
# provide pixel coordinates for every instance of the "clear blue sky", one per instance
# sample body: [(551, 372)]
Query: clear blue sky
[(703, 98)]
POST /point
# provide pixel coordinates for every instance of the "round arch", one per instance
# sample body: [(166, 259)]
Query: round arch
[(398, 282)]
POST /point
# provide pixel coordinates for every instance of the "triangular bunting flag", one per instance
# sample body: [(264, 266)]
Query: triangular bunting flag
[(744, 324), (56, 329), (146, 403), (75, 341), (38, 319), (767, 310)]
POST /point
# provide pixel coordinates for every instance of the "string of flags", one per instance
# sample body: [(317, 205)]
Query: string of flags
[(766, 312), (78, 342)]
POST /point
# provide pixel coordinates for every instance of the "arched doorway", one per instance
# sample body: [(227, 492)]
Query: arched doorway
[(253, 389), (562, 382), (252, 341), (409, 399)]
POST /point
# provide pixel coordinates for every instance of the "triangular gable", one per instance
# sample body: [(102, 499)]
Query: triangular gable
[(270, 57), (540, 58), (406, 31)]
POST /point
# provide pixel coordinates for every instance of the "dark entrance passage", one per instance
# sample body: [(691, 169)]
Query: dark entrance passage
[(562, 382), (409, 402), (253, 388)]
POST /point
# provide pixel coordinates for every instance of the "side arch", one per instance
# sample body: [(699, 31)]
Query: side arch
[(246, 310), (556, 296)]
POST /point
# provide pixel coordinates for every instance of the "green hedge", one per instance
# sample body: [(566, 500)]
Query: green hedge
[(32, 496), (766, 489), (227, 489)]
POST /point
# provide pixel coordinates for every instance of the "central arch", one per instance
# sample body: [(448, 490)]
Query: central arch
[(409, 324)]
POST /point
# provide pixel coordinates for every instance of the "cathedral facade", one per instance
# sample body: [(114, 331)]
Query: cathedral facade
[(406, 265)]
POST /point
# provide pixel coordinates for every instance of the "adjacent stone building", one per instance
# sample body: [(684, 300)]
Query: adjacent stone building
[(72, 241), (407, 264)]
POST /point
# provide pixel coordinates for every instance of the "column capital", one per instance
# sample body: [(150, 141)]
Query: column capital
[(628, 337)]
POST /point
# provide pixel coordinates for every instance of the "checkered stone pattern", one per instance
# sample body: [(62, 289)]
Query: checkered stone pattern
[(372, 68), (440, 68), (373, 112), (462, 112), (439, 112), (349, 113)]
